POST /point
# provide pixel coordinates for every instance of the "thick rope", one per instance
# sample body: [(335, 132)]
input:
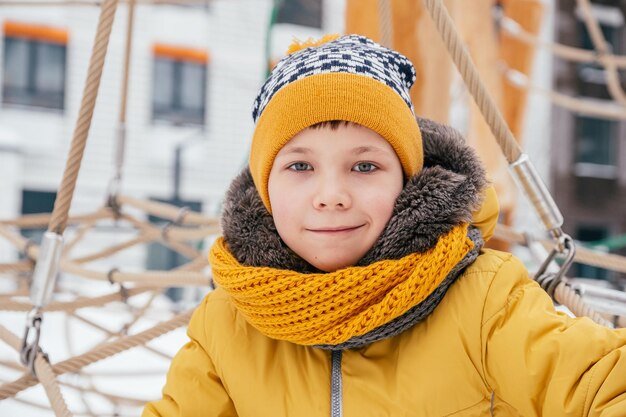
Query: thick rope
[(470, 75), (568, 297), (175, 233), (105, 351), (127, 51), (583, 255), (22, 292), (492, 115), (111, 334), (10, 339), (20, 242), (563, 294), (167, 211), (137, 314), (602, 48), (44, 374), (15, 268), (78, 237), (77, 304), (570, 53), (60, 213), (111, 250), (585, 106), (184, 275), (155, 278), (37, 221)]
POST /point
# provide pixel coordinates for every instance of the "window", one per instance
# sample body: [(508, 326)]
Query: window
[(586, 233), (162, 258), (34, 66), (300, 12), (610, 33), (611, 3), (592, 77), (179, 85), (34, 202), (202, 5), (595, 147)]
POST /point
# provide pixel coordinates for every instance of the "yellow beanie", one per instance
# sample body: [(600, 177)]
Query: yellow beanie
[(349, 78)]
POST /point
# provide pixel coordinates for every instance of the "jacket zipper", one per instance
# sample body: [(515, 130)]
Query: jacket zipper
[(336, 403)]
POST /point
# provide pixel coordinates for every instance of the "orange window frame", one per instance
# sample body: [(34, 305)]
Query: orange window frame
[(179, 53), (35, 32)]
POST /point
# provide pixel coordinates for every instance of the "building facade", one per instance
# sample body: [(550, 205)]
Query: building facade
[(589, 153), (194, 72)]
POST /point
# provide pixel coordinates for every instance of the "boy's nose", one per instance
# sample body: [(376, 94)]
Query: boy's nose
[(331, 194)]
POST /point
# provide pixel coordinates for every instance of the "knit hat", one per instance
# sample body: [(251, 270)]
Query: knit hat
[(349, 78)]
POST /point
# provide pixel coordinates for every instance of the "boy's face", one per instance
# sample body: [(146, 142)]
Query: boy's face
[(332, 192)]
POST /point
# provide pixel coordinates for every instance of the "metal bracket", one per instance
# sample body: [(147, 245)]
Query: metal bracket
[(30, 348), (564, 247), (123, 290)]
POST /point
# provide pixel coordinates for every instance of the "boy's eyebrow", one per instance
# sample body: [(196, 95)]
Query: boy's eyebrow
[(296, 149), (364, 149), (356, 151)]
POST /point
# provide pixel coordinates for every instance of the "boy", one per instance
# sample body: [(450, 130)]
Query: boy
[(351, 275)]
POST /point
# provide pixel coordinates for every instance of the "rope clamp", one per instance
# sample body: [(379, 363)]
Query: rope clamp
[(564, 248), (528, 179), (31, 348), (46, 268)]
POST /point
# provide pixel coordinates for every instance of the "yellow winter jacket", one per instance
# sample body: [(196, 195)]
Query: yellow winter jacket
[(494, 346)]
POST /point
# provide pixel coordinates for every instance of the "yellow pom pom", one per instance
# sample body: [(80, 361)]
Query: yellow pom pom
[(299, 45)]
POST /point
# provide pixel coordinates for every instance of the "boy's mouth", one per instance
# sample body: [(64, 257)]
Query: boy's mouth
[(337, 229)]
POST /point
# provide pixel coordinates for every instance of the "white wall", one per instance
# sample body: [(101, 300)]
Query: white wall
[(10, 187)]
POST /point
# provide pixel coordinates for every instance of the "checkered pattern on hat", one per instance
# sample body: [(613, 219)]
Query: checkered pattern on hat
[(350, 54)]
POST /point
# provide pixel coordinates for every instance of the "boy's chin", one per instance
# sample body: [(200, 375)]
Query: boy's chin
[(331, 263)]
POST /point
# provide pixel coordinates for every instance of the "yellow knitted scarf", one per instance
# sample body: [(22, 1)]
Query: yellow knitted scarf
[(330, 308)]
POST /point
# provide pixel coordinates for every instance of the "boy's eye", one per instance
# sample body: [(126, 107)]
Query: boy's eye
[(365, 167), (300, 166)]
